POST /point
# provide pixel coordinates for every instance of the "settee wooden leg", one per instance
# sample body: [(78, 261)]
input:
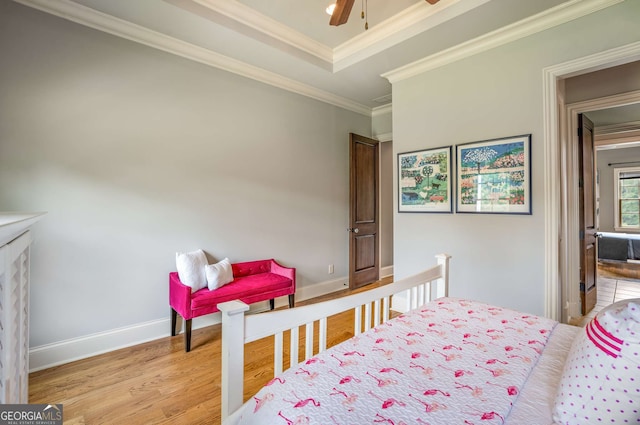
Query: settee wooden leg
[(271, 304), (174, 319), (187, 336), (291, 300)]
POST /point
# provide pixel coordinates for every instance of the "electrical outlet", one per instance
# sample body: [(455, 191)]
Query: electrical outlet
[(330, 268)]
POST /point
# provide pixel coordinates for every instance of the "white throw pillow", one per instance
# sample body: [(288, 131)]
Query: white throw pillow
[(190, 267), (601, 378), (219, 274)]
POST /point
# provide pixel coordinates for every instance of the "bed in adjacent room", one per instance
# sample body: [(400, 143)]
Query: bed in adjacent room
[(618, 246), (445, 361)]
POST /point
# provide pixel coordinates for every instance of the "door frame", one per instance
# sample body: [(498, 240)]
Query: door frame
[(384, 271), (560, 166), (572, 292)]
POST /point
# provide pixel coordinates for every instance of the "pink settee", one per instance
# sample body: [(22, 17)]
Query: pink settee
[(253, 281)]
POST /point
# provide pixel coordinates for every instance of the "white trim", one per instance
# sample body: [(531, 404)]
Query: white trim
[(49, 355), (382, 110), (570, 170), (622, 99), (617, 135), (392, 32), (58, 353), (322, 288), (558, 244), (555, 16), (386, 137), (103, 22), (268, 26), (13, 224), (604, 130), (398, 28), (552, 195), (617, 140), (386, 271)]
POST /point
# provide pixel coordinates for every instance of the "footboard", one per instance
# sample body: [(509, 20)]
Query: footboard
[(370, 309)]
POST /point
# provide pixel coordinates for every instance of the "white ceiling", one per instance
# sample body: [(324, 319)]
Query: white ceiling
[(291, 42)]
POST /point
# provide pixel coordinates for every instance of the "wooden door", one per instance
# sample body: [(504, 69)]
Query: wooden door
[(587, 191), (363, 211)]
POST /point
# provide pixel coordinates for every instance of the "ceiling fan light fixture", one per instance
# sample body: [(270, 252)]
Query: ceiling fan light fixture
[(330, 9)]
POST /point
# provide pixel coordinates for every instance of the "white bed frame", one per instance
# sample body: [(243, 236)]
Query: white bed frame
[(239, 329)]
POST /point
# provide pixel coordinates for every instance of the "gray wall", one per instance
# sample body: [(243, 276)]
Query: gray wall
[(136, 154), (386, 204), (498, 93), (382, 124), (607, 184), (620, 79)]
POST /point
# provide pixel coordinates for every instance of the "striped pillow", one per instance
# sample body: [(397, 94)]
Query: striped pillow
[(601, 378)]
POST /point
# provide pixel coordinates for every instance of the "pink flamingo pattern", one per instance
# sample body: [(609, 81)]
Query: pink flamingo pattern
[(475, 391), (302, 402), (495, 372), (388, 354), (457, 372), (425, 370), (345, 379), (349, 399), (300, 420), (262, 401), (451, 361), (383, 382), (309, 376), (387, 403), (429, 407)]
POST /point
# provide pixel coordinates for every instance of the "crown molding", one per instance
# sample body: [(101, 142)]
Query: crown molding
[(394, 30), (385, 137), (115, 26), (382, 110), (398, 28), (617, 135), (268, 26), (550, 18), (616, 141), (603, 130)]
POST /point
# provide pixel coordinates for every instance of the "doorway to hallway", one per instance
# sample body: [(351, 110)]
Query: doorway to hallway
[(615, 283)]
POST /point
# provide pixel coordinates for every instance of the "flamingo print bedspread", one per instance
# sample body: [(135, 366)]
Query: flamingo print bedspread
[(451, 361)]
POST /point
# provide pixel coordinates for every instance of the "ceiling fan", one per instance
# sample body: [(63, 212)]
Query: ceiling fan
[(342, 11)]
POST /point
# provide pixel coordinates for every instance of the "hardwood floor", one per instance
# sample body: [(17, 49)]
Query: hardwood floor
[(157, 382)]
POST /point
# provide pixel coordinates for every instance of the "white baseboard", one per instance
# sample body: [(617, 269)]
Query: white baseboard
[(58, 353), (49, 355), (386, 271), (62, 352)]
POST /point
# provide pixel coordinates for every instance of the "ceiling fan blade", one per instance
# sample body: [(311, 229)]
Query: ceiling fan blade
[(432, 1), (341, 12)]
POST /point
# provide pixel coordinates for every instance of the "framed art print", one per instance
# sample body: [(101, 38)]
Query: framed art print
[(494, 176), (424, 183)]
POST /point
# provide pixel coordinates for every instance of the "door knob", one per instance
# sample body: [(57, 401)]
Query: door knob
[(351, 229)]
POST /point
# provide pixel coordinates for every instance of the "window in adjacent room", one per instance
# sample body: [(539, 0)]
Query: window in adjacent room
[(627, 198)]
